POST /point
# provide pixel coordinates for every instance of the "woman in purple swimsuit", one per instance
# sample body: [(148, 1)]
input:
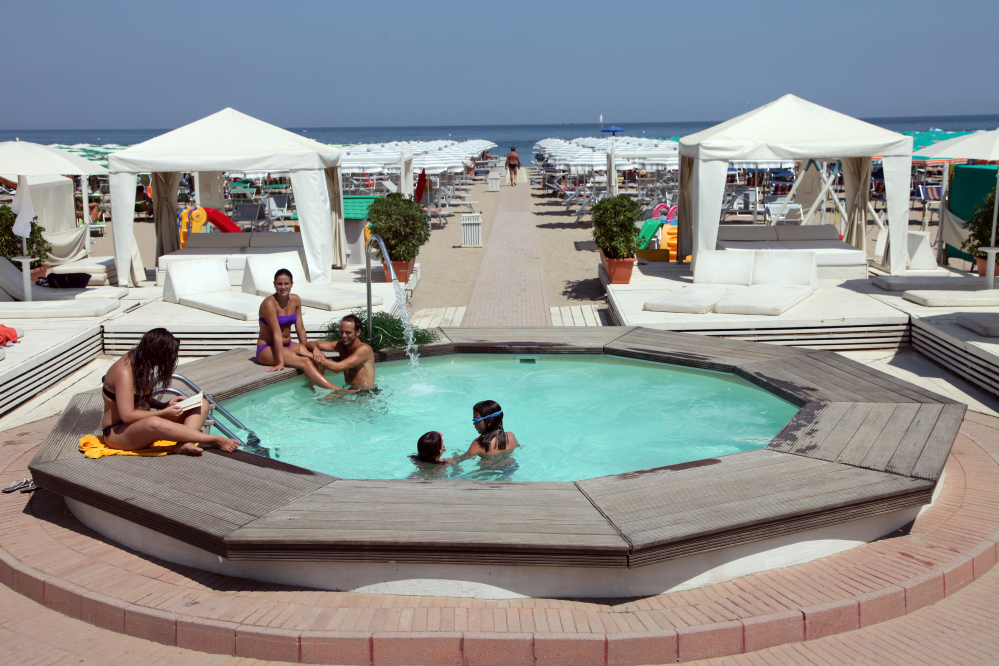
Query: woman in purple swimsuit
[(277, 313)]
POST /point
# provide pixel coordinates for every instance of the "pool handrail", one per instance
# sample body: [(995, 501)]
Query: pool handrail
[(367, 269)]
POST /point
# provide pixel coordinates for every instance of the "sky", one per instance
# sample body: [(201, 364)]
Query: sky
[(310, 63)]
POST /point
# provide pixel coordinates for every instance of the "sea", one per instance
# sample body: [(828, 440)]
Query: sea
[(522, 137)]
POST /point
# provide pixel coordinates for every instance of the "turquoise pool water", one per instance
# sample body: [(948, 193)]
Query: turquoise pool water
[(576, 417)]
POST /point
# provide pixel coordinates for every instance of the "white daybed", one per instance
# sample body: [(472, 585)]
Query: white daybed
[(204, 284), (233, 248), (90, 307), (950, 298), (761, 282), (258, 279), (12, 283), (834, 258)]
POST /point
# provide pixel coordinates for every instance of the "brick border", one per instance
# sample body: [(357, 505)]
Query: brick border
[(712, 639)]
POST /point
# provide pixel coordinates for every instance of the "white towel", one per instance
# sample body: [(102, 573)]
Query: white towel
[(21, 205)]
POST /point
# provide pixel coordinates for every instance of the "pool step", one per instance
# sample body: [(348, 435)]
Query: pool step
[(433, 317), (579, 315)]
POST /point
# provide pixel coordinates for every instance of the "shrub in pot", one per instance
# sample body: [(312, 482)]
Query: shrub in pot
[(10, 243), (404, 227), (615, 234), (979, 228)]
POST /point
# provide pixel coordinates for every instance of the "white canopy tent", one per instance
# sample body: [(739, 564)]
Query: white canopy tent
[(794, 129), (232, 141)]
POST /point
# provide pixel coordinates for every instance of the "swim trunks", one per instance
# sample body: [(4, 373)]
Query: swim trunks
[(374, 390)]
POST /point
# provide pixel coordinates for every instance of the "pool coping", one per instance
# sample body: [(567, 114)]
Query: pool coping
[(832, 470), (46, 555)]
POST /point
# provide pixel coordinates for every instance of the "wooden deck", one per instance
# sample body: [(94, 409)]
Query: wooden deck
[(863, 443)]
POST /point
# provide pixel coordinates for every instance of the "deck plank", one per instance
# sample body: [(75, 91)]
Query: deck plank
[(537, 340)]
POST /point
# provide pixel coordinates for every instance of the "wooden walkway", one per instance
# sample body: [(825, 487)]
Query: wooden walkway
[(864, 443), (509, 289)]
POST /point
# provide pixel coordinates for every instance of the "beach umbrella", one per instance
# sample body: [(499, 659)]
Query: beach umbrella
[(24, 158), (978, 146), (613, 129)]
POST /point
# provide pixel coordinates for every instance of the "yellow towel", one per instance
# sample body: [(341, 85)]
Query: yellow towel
[(94, 447)]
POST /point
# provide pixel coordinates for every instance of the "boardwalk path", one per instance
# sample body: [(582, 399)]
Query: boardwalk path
[(509, 289)]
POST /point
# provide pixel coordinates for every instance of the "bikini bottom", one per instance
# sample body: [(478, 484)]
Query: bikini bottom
[(265, 346)]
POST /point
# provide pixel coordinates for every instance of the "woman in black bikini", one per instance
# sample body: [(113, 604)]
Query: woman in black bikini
[(128, 386), (274, 346)]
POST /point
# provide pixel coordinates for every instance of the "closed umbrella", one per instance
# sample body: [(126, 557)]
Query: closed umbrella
[(978, 146)]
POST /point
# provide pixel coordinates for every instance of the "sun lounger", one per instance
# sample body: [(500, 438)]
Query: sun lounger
[(833, 257), (914, 282), (983, 323), (101, 270), (91, 307), (980, 298), (233, 248), (717, 275), (258, 279), (204, 284), (11, 281), (780, 281)]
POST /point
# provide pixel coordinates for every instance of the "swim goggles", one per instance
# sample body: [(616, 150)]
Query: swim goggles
[(475, 420)]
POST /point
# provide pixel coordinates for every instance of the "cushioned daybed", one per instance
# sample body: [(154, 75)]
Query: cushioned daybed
[(233, 249), (834, 258)]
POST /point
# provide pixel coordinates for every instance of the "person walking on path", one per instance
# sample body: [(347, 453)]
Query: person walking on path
[(512, 164)]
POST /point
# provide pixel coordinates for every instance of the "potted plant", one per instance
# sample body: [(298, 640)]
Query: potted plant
[(979, 228), (11, 244), (404, 227), (615, 234)]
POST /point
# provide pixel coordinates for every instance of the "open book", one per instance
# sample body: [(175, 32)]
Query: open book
[(191, 403)]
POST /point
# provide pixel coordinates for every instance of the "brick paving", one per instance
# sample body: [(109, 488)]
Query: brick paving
[(509, 288), (930, 596)]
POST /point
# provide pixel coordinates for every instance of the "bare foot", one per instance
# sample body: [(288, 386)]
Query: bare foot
[(187, 449), (302, 351), (227, 444)]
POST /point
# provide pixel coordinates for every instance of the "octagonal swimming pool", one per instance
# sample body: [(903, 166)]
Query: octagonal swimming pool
[(575, 417)]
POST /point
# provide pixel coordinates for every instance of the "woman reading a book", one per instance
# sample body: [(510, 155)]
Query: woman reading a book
[(129, 424)]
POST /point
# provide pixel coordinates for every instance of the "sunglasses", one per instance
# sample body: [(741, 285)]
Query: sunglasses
[(475, 420)]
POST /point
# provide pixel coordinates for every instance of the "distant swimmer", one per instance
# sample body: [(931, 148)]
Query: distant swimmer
[(357, 359), (513, 164)]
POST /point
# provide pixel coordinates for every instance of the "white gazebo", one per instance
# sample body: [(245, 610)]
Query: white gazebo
[(794, 129), (232, 141)]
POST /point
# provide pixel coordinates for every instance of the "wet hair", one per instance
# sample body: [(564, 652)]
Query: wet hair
[(494, 433), (153, 360), (354, 319), (429, 447), (283, 271)]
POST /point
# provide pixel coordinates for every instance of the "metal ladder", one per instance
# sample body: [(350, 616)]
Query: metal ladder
[(252, 443)]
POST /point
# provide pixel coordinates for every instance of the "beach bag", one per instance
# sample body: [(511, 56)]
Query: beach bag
[(69, 280)]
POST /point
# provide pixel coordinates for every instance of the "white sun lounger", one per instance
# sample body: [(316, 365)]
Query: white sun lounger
[(90, 307), (258, 279), (780, 281), (983, 323), (717, 275), (12, 282), (102, 270), (930, 282), (204, 284), (981, 298)]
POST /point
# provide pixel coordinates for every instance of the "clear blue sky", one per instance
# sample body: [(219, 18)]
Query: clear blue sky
[(96, 64)]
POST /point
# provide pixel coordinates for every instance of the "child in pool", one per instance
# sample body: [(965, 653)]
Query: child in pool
[(430, 448), (487, 417)]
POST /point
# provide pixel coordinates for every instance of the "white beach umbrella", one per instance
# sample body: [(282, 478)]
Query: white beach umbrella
[(977, 146), (32, 159)]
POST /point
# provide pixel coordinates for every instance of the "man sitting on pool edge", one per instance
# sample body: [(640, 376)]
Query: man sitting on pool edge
[(357, 359)]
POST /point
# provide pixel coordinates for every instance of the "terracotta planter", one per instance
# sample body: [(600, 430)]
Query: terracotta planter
[(403, 269), (981, 266), (618, 270)]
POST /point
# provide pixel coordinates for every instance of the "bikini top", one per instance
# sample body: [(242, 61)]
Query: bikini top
[(283, 320), (109, 392)]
